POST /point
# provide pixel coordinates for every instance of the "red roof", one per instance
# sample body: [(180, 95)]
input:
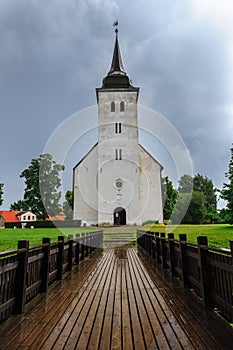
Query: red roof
[(57, 217), (9, 215)]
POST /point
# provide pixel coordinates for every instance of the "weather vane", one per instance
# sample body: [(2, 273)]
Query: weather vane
[(115, 24)]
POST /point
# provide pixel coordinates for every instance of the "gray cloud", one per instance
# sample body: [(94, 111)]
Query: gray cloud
[(54, 53)]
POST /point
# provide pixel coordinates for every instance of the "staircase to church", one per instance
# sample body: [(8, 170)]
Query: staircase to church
[(119, 235)]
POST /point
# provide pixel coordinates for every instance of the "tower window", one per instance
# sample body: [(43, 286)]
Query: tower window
[(117, 128), (112, 106), (122, 106), (118, 154)]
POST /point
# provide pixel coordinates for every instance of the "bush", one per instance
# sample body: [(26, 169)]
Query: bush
[(46, 224)]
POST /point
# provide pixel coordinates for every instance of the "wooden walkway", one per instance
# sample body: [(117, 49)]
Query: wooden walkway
[(114, 300)]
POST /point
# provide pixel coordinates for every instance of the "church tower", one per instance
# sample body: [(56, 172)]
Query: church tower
[(118, 182)]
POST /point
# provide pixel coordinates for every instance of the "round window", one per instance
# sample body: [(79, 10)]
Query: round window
[(119, 183)]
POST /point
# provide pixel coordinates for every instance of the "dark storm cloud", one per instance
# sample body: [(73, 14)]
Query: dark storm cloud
[(54, 53)]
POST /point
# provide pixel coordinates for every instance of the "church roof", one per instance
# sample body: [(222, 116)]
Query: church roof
[(117, 64), (117, 77)]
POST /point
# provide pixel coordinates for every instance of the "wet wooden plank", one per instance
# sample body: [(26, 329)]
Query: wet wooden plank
[(33, 323), (127, 333), (159, 313), (115, 302), (193, 323), (137, 334), (97, 326), (65, 335), (116, 338), (105, 341), (86, 334)]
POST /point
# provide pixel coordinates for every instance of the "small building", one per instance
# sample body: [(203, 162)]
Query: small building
[(16, 216), (26, 216)]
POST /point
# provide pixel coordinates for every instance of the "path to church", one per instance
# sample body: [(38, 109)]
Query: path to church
[(115, 300)]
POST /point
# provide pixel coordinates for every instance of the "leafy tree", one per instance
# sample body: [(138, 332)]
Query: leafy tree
[(68, 205), (180, 208), (224, 216), (169, 197), (1, 193), (189, 208), (227, 191), (197, 210), (204, 185), (20, 205), (196, 189), (42, 182), (185, 184)]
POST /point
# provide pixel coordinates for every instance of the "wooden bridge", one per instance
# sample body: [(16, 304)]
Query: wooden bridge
[(115, 298)]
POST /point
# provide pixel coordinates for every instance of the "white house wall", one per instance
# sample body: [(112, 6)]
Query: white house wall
[(151, 191), (85, 188)]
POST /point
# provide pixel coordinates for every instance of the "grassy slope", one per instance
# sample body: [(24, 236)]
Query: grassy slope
[(218, 235), (9, 237)]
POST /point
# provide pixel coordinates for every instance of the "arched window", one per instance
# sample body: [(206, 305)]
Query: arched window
[(122, 106), (112, 106)]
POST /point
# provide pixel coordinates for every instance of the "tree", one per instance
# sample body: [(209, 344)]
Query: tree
[(180, 208), (1, 193), (224, 216), (169, 197), (20, 205), (42, 182), (197, 210), (68, 205), (185, 184), (204, 185), (227, 191), (190, 208)]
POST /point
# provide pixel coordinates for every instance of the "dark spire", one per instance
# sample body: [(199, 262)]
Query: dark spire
[(117, 77), (117, 64)]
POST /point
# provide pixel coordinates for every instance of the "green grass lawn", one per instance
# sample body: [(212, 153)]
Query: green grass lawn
[(218, 235), (9, 237)]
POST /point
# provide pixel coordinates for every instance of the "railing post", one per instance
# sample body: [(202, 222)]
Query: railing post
[(153, 253), (202, 242), (171, 253), (60, 257), (162, 241), (101, 240), (82, 247), (88, 248), (77, 250), (149, 245), (70, 252), (21, 277), (85, 239), (231, 248), (45, 265), (157, 248), (183, 260)]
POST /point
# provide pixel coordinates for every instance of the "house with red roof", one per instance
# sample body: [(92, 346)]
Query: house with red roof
[(16, 216)]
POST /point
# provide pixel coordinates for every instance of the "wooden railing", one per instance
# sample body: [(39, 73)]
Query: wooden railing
[(206, 271), (27, 271)]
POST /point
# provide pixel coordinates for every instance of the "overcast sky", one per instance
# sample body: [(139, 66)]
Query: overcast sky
[(53, 54)]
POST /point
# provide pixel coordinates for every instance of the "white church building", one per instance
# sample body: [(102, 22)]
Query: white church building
[(118, 182)]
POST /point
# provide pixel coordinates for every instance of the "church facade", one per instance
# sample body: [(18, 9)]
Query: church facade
[(118, 182)]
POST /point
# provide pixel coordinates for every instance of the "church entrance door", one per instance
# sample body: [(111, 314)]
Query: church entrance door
[(119, 216)]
